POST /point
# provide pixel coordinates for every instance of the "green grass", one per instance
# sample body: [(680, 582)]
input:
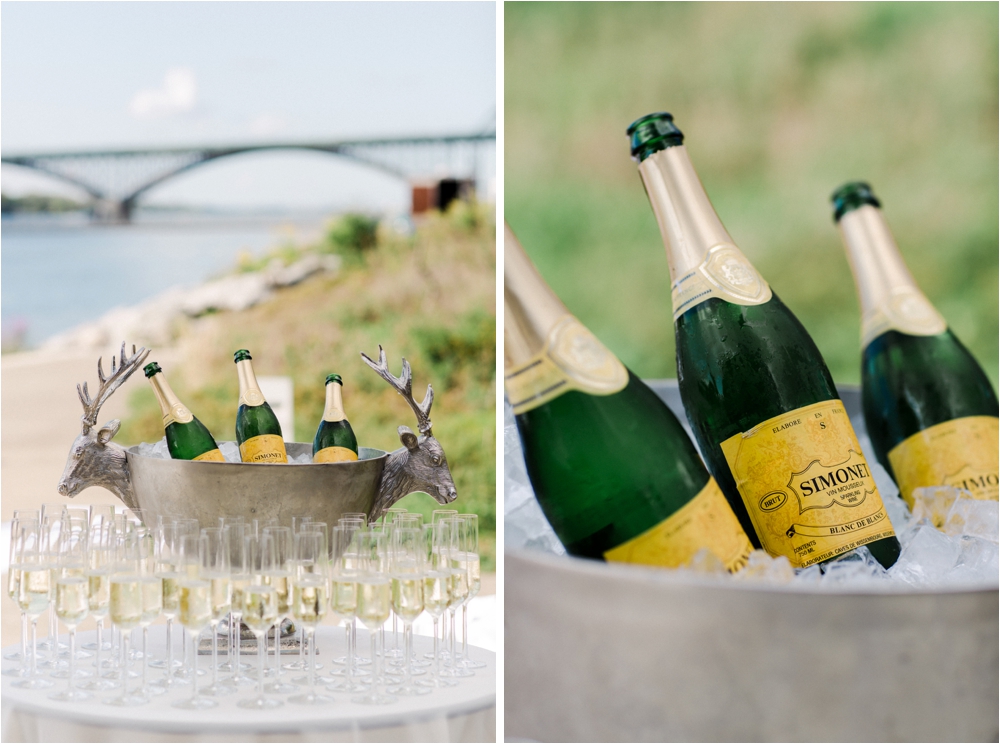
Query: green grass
[(780, 104), (429, 298)]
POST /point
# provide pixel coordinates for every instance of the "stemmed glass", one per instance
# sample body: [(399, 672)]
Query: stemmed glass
[(471, 525), (151, 588), (101, 516), (406, 566), (53, 517), (215, 568), (196, 613), (278, 577), (98, 573), (69, 560), (23, 530), (309, 602), (344, 598), (260, 611), (437, 592), (458, 566), (374, 602), (71, 601), (306, 524), (126, 610), (34, 593), (168, 570)]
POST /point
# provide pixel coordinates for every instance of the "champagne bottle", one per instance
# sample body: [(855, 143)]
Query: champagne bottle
[(187, 437), (613, 470), (258, 432), (761, 402), (334, 440), (929, 408)]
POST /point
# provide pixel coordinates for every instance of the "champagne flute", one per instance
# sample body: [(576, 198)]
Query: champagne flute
[(70, 562), (374, 602), (168, 564), (101, 516), (471, 523), (406, 563), (306, 524), (344, 598), (71, 602), (98, 573), (260, 610), (195, 614), (278, 577), (151, 589), (437, 594), (239, 579), (52, 516), (215, 569), (457, 563), (21, 529), (33, 597), (126, 612), (309, 602)]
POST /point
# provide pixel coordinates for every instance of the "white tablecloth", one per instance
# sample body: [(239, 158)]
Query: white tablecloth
[(463, 713)]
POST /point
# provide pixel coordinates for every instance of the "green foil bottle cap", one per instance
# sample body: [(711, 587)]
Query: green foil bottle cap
[(334, 378), (851, 196), (652, 133), (152, 369), (241, 355)]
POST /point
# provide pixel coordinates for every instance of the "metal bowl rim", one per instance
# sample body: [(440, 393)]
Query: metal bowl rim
[(374, 453)]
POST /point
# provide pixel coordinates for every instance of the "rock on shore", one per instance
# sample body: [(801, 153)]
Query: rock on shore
[(152, 322)]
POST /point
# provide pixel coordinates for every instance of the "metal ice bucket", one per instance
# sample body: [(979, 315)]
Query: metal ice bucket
[(208, 490), (603, 652)]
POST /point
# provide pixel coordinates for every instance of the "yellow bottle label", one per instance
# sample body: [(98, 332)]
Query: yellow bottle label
[(962, 453), (806, 484), (335, 454), (213, 455), (573, 359), (725, 273), (706, 521), (265, 448)]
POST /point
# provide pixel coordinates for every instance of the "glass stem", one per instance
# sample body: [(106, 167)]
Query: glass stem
[(408, 651), (145, 645), (215, 655), (170, 649), (374, 637), (465, 631), (437, 658), (124, 662), (308, 637), (72, 653), (350, 652), (100, 642), (194, 665), (238, 636), (261, 641), (24, 640), (34, 647)]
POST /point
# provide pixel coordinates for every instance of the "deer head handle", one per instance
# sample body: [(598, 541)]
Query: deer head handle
[(94, 460), (420, 464)]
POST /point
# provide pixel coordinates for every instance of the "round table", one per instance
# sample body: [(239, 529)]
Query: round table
[(466, 712)]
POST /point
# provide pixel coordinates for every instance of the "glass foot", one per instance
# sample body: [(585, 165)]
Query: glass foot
[(16, 672), (70, 696), (280, 688), (219, 690), (470, 664), (100, 685), (77, 674), (260, 703), (346, 685), (128, 700), (311, 699), (436, 682), (409, 689), (196, 703), (374, 698), (35, 683)]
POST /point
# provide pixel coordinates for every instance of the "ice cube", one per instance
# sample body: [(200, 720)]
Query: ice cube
[(764, 569), (927, 557), (978, 562), (857, 566), (809, 575), (155, 449), (707, 562), (231, 451), (973, 517), (301, 459), (934, 503)]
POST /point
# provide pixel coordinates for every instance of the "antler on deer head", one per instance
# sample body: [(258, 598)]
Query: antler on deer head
[(127, 366), (404, 386)]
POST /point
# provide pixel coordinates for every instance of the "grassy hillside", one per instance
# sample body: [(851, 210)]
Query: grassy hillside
[(429, 298), (780, 104)]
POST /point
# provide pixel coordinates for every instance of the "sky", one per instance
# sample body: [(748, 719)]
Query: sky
[(78, 75)]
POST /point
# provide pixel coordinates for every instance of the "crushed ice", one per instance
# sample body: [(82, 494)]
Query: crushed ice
[(230, 450), (948, 540)]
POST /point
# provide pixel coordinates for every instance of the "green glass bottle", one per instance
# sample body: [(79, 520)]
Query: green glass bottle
[(187, 437), (929, 408), (334, 440), (611, 466), (258, 432), (761, 402)]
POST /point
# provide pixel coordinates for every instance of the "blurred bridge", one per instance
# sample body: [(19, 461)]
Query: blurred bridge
[(116, 179)]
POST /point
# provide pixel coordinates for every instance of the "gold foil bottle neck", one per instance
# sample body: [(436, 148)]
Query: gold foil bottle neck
[(250, 393), (170, 405), (531, 308), (887, 292), (334, 409)]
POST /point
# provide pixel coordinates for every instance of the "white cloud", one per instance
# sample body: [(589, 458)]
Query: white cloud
[(268, 123), (177, 95)]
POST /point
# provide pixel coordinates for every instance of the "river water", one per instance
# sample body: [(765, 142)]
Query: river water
[(57, 271)]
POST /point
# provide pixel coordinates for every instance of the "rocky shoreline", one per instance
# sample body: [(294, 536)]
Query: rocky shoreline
[(154, 321)]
